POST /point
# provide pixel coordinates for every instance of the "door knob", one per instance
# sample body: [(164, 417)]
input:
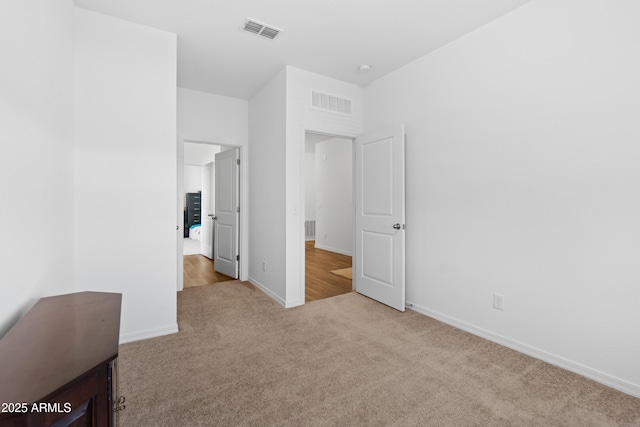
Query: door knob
[(397, 226)]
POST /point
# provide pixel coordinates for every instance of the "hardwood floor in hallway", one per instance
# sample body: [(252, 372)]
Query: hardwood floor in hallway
[(198, 271), (320, 282)]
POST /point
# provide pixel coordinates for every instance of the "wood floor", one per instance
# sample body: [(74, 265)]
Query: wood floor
[(320, 282), (198, 271)]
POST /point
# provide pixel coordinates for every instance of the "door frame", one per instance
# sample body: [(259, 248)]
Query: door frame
[(203, 216), (303, 214), (244, 210)]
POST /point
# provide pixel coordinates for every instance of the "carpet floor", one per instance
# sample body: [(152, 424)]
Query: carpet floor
[(240, 359)]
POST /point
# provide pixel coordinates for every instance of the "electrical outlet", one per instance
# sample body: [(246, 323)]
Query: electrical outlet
[(498, 302), (264, 265)]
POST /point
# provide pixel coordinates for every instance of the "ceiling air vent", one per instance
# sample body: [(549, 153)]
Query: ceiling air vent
[(261, 29), (336, 104)]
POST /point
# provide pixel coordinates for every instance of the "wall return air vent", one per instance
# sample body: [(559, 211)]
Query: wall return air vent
[(261, 29), (336, 104)]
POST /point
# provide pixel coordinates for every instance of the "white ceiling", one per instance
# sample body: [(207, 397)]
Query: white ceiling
[(328, 37)]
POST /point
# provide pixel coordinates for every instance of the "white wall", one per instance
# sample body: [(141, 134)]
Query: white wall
[(195, 156), (125, 169), (334, 197), (36, 130), (207, 117), (192, 178), (300, 118), (522, 179), (267, 137)]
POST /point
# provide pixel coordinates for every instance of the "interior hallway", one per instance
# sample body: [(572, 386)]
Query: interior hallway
[(320, 282), (198, 271)]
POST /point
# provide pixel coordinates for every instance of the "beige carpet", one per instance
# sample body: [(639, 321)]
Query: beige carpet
[(344, 272), (240, 359)]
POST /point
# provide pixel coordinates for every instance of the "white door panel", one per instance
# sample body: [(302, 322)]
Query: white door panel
[(377, 178), (225, 242), (226, 211), (224, 201), (380, 222), (377, 247)]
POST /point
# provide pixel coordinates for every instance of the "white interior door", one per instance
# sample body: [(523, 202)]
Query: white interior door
[(206, 211), (227, 213), (379, 226)]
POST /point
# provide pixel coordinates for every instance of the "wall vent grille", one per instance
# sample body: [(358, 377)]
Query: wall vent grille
[(327, 102), (261, 29), (310, 229)]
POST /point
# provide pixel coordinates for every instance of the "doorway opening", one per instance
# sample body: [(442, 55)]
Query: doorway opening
[(329, 215), (198, 184)]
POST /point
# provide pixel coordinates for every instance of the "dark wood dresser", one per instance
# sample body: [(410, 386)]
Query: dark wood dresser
[(56, 362)]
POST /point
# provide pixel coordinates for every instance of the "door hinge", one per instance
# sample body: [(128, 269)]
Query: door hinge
[(237, 257), (237, 161), (238, 209)]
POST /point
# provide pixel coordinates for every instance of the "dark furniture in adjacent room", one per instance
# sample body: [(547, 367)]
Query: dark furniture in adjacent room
[(56, 363), (192, 213)]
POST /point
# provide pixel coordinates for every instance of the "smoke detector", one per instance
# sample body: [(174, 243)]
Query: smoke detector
[(261, 29)]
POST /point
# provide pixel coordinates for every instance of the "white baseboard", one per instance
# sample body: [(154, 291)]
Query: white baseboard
[(327, 248), (149, 333), (267, 291), (585, 371), (273, 296), (291, 304)]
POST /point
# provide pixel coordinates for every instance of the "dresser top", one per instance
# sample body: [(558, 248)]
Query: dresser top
[(58, 340)]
